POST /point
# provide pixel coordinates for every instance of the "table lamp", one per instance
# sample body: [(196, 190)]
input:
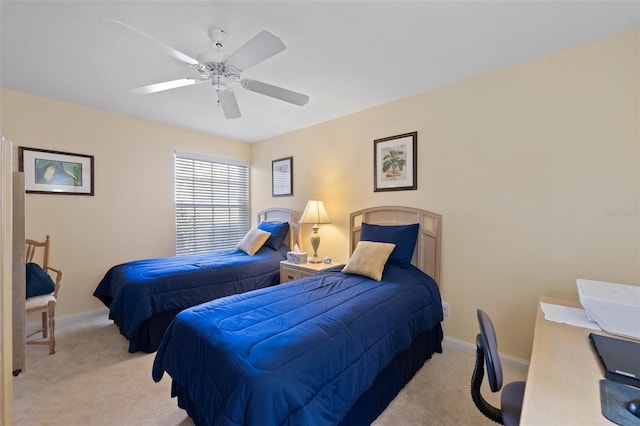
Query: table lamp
[(315, 213)]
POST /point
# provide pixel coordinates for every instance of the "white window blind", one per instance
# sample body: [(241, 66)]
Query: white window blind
[(212, 204)]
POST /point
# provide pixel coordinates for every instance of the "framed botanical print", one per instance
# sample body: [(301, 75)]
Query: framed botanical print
[(395, 163)]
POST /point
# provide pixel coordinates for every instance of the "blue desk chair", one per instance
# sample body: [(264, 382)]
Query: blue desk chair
[(512, 393)]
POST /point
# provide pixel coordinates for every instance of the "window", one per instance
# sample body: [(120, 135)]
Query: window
[(212, 203)]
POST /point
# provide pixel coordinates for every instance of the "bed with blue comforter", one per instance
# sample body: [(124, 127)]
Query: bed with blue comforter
[(332, 348), (304, 352), (143, 296)]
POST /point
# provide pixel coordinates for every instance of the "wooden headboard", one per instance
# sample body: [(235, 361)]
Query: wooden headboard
[(426, 255), (284, 215)]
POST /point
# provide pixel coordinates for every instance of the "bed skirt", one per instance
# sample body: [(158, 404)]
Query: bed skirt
[(151, 332), (393, 378), (375, 400)]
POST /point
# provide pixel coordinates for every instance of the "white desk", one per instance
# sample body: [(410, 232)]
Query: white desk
[(564, 374)]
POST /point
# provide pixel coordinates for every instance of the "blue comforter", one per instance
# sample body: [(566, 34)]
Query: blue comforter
[(134, 291), (297, 353)]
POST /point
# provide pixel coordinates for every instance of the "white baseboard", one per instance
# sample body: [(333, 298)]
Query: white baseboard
[(81, 316), (518, 362)]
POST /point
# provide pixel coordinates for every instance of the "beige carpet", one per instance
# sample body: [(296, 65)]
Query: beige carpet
[(93, 380)]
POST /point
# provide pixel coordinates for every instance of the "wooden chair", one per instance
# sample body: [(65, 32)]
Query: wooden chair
[(45, 304)]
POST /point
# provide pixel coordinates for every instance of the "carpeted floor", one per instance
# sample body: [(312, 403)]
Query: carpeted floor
[(93, 380)]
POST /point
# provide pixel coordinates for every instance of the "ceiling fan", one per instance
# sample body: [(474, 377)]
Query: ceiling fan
[(222, 70)]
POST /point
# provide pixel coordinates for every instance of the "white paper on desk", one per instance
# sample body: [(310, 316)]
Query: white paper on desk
[(567, 315)]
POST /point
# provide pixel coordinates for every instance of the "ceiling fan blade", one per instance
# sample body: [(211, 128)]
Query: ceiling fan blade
[(229, 104), (264, 45), (162, 45), (165, 85), (275, 92)]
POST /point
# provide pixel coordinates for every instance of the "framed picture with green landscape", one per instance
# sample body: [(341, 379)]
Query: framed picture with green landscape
[(55, 172), (395, 163)]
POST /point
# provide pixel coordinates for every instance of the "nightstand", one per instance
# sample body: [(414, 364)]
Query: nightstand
[(292, 271)]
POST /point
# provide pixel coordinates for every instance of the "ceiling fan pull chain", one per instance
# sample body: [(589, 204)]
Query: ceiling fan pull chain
[(218, 91)]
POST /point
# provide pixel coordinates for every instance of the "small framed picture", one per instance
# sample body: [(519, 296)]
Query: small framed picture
[(282, 177), (55, 172), (395, 163)]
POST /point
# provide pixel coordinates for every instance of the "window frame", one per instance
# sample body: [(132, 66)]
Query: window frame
[(205, 210)]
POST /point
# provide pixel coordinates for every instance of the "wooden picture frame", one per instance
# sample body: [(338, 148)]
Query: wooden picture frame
[(282, 177), (56, 172), (395, 163)]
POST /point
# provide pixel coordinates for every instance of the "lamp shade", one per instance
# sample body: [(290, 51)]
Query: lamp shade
[(314, 213)]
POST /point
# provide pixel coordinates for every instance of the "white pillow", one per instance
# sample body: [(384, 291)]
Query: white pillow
[(368, 259), (253, 241)]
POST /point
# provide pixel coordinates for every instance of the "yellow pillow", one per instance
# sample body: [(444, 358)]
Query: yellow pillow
[(368, 259), (253, 241)]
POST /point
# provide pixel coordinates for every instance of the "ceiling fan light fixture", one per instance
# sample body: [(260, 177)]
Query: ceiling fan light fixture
[(220, 83)]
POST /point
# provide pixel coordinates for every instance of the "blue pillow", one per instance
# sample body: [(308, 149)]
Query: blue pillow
[(403, 236), (38, 281), (278, 232)]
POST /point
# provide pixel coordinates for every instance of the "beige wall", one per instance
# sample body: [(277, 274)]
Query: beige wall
[(131, 215), (535, 169)]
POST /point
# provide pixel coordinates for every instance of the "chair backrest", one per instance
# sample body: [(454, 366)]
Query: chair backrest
[(32, 248), (486, 354), (490, 349)]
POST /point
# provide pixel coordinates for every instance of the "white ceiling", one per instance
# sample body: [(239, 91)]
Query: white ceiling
[(347, 56)]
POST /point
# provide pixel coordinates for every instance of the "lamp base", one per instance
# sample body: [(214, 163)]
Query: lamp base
[(315, 243)]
